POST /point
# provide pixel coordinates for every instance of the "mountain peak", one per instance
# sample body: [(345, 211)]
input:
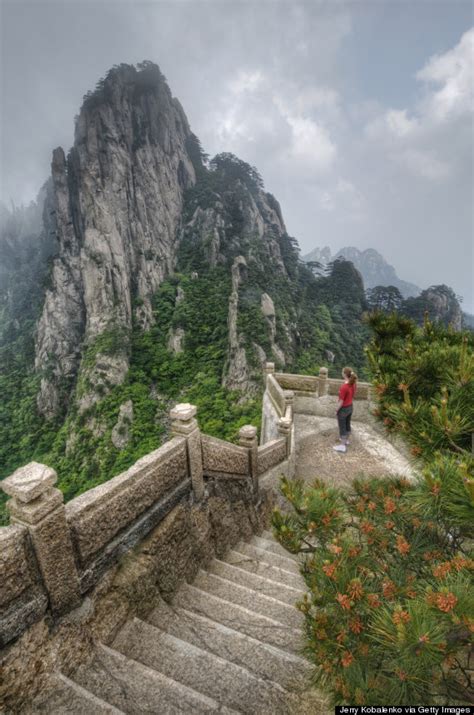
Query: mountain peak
[(117, 204), (375, 270)]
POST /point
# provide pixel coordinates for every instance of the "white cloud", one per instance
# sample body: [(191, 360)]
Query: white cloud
[(423, 163), (421, 139), (310, 98), (453, 70), (344, 200), (311, 142), (256, 111), (399, 123), (392, 123), (246, 82)]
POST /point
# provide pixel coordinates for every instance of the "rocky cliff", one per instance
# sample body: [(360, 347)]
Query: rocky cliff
[(441, 305), (117, 203), (168, 278), (121, 205)]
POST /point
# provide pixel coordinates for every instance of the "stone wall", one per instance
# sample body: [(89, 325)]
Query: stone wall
[(317, 395), (277, 406), (271, 454), (223, 458), (74, 573), (317, 385), (185, 540), (23, 598), (270, 419), (298, 383)]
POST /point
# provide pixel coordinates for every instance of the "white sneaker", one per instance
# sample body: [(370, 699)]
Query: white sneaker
[(340, 448)]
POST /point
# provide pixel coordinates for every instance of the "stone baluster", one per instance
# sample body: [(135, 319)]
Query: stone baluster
[(323, 381), (248, 438), (284, 430), (184, 424), (289, 401), (36, 504), (269, 369)]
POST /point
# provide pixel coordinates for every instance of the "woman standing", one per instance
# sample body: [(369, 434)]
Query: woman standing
[(344, 408)]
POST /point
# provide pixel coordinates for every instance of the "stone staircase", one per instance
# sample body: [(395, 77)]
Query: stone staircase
[(229, 643)]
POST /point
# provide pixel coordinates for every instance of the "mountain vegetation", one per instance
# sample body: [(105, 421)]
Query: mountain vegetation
[(389, 568), (157, 276), (373, 267), (439, 303)]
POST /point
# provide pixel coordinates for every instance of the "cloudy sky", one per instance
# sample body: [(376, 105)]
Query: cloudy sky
[(358, 115)]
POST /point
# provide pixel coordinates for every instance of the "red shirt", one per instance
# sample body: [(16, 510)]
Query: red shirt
[(346, 394)]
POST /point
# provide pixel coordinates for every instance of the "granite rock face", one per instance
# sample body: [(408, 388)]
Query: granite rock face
[(444, 306), (132, 196), (239, 225), (236, 373), (121, 432), (117, 199)]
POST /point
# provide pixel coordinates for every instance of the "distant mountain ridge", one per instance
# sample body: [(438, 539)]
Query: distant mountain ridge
[(370, 263)]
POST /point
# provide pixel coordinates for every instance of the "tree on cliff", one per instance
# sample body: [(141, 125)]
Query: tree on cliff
[(230, 167), (389, 615), (439, 302), (386, 298)]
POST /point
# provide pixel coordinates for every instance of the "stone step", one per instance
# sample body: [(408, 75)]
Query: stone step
[(137, 689), (283, 593), (273, 546), (69, 697), (216, 677), (242, 619), (260, 567), (248, 598), (269, 557), (264, 660)]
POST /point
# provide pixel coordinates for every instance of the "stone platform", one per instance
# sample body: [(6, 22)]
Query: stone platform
[(369, 452)]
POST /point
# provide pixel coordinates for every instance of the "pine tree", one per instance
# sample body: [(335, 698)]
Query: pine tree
[(389, 613)]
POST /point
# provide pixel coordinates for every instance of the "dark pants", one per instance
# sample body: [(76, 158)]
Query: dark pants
[(344, 421)]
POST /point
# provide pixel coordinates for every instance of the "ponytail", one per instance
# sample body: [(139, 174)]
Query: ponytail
[(350, 375)]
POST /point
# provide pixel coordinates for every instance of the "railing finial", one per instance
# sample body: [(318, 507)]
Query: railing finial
[(36, 504), (184, 424)]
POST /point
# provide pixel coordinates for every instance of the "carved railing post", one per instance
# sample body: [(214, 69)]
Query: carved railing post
[(323, 381), (184, 424), (40, 507), (284, 430), (269, 369), (248, 438), (289, 401)]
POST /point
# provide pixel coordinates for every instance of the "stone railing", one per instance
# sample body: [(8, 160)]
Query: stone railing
[(277, 409), (311, 394), (53, 554)]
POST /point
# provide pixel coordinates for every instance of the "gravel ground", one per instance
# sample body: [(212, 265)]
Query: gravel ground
[(369, 453)]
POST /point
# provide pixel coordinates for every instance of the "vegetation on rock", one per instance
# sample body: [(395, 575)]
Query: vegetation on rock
[(312, 315), (389, 615), (439, 303), (93, 354)]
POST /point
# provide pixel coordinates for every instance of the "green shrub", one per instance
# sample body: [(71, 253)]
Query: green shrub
[(389, 613)]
